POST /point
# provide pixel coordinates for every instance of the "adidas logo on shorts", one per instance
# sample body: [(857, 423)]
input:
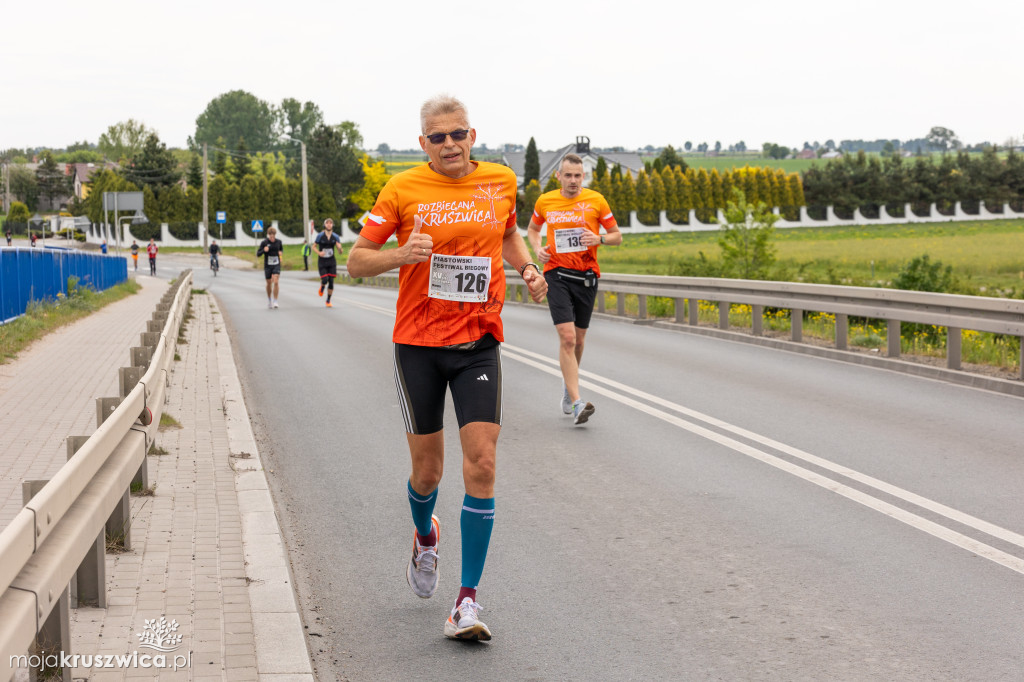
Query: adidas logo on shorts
[(482, 377)]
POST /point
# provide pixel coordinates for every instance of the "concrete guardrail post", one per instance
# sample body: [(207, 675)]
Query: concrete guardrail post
[(892, 330), (150, 339), (600, 301), (757, 320), (128, 378), (723, 314), (620, 304), (642, 306), (680, 310), (796, 325), (89, 584), (953, 344), (119, 522), (693, 309), (842, 331), (54, 636), (141, 356), (154, 326)]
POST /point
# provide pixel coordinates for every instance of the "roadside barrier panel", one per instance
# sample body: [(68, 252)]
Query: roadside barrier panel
[(38, 274)]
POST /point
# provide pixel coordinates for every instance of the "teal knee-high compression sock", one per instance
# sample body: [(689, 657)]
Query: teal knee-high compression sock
[(422, 508), (476, 523)]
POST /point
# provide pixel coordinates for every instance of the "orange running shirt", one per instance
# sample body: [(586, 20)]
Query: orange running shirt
[(453, 298), (565, 217)]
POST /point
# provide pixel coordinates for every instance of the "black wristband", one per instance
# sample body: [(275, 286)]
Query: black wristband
[(526, 265)]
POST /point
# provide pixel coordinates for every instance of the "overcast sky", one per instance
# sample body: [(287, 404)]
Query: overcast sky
[(624, 73)]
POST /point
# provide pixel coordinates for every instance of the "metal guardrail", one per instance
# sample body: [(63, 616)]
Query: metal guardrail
[(55, 545), (896, 306)]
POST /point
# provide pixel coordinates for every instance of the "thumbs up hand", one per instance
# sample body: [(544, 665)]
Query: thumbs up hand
[(417, 248)]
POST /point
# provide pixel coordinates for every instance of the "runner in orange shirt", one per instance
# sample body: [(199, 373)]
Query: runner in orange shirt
[(455, 220), (575, 216)]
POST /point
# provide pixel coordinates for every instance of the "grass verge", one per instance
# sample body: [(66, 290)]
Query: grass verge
[(43, 317)]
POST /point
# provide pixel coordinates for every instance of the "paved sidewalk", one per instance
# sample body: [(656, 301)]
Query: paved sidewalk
[(206, 547)]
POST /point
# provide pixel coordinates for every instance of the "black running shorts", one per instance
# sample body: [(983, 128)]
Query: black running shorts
[(423, 375), (271, 270), (328, 269), (569, 298)]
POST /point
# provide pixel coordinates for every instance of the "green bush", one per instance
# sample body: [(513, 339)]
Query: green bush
[(19, 213)]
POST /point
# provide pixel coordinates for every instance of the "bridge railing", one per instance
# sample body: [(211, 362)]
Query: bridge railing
[(954, 312), (52, 553)]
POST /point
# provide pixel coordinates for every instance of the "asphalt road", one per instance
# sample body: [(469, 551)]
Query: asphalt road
[(730, 512)]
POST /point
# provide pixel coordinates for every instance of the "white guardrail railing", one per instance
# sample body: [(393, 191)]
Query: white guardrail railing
[(52, 555), (896, 306)]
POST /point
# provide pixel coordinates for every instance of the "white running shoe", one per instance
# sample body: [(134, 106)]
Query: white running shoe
[(581, 412), (566, 401), (423, 572), (270, 304), (275, 302), (464, 623)]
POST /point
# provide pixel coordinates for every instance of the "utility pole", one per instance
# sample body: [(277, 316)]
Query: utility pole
[(305, 197), (206, 202), (7, 188)]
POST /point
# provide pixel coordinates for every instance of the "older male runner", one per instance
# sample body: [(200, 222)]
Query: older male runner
[(456, 221)]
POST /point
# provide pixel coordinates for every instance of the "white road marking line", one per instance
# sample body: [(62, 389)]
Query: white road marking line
[(909, 518), (958, 539)]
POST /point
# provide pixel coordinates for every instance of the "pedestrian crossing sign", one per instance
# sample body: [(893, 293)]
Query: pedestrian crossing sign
[(257, 226)]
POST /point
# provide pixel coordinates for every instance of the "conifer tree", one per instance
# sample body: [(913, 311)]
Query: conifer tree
[(717, 198), (684, 193), (645, 212), (672, 212), (552, 184), (703, 201), (195, 172), (601, 169), (627, 198), (659, 199), (531, 164), (530, 196)]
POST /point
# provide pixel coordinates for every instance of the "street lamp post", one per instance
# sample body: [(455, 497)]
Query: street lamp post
[(305, 192)]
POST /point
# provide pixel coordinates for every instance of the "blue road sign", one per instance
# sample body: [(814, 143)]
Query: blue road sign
[(222, 216), (257, 226)]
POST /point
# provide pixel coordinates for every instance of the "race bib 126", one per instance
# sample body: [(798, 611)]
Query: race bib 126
[(459, 278)]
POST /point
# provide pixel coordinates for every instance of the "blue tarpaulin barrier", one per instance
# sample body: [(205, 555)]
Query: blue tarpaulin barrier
[(28, 274)]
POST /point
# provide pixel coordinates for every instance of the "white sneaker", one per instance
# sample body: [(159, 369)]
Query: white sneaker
[(275, 302), (581, 412), (270, 304), (423, 572), (566, 401), (464, 623)]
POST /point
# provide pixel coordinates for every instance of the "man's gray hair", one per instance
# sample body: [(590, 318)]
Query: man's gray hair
[(439, 106)]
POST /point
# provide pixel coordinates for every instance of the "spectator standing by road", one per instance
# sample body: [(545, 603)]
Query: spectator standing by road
[(9, 236), (574, 216), (306, 250), (455, 220), (135, 254)]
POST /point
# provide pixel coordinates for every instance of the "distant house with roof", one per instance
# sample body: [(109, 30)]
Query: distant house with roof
[(82, 173), (629, 161)]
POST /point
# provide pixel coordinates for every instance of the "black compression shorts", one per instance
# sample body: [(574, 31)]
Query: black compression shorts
[(328, 269), (271, 270), (569, 298), (423, 374)]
